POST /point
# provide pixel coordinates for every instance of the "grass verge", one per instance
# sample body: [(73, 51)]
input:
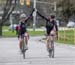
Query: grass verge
[(67, 36)]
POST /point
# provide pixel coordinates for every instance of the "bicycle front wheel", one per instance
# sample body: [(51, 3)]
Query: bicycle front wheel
[(52, 45), (23, 48)]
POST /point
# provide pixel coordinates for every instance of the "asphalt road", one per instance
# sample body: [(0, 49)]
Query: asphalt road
[(36, 55)]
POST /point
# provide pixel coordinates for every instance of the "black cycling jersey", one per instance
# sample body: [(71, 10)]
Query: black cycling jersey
[(23, 26), (22, 29), (49, 24)]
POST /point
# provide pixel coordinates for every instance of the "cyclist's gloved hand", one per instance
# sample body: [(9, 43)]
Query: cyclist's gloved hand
[(35, 9)]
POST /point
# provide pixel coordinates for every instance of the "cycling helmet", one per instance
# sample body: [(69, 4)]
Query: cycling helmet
[(22, 15)]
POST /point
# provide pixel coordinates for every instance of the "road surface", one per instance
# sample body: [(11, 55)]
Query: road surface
[(36, 55)]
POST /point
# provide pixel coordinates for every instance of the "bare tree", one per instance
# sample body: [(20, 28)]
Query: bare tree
[(7, 10)]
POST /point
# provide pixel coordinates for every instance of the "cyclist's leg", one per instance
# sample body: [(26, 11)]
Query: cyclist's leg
[(20, 42), (26, 38), (47, 38), (52, 37)]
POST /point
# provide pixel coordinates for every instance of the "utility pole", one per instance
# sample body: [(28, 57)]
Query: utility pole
[(11, 22), (34, 16), (55, 6)]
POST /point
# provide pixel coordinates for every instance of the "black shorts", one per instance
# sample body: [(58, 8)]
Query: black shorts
[(21, 33), (48, 31)]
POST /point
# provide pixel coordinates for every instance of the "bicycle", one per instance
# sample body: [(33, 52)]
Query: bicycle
[(51, 46), (24, 46)]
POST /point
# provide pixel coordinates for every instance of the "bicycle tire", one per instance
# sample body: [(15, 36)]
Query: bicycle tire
[(49, 49), (52, 45), (23, 48), (50, 53), (23, 51)]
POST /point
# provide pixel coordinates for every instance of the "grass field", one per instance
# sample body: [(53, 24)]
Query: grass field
[(13, 34), (31, 33), (67, 36)]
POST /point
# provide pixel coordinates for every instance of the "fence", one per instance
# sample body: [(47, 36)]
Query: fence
[(66, 35)]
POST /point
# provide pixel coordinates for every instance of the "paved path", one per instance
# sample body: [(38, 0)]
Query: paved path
[(36, 55)]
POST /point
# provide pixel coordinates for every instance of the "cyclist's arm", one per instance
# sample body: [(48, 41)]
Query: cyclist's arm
[(29, 16), (56, 29), (42, 16)]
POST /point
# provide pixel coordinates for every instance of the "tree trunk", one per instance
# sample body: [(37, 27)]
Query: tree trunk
[(0, 30)]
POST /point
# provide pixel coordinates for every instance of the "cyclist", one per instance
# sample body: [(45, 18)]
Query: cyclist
[(51, 27), (22, 29)]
